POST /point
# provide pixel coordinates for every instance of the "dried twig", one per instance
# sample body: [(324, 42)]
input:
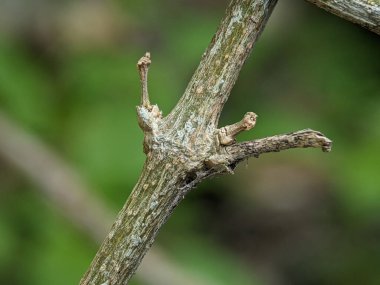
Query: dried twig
[(300, 139)]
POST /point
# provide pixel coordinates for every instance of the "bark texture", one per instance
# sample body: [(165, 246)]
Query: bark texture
[(62, 188), (300, 139), (366, 13), (186, 146)]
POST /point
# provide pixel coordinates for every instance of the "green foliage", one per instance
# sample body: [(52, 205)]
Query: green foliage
[(26, 90), (209, 260)]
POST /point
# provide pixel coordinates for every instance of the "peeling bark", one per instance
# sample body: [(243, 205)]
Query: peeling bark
[(186, 146)]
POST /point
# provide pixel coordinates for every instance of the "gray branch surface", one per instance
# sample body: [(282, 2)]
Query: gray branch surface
[(186, 146), (366, 13), (300, 139), (65, 192)]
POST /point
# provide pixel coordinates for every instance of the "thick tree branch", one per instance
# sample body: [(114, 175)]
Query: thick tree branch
[(63, 189), (300, 139), (198, 111), (178, 146), (185, 147), (366, 13)]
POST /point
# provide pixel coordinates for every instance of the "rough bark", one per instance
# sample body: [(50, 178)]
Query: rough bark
[(300, 139), (65, 192), (186, 147), (366, 13)]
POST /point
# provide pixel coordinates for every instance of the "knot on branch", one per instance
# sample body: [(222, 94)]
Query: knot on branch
[(219, 161)]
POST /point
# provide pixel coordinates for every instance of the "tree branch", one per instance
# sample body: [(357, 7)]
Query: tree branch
[(212, 82), (185, 147), (178, 146), (63, 189), (300, 139), (366, 13)]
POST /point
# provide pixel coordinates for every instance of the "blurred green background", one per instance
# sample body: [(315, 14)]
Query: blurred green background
[(68, 76)]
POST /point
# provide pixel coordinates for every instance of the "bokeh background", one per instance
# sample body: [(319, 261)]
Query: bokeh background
[(69, 86)]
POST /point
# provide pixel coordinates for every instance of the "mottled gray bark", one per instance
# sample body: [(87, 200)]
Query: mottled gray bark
[(61, 187), (366, 13), (300, 139), (186, 146)]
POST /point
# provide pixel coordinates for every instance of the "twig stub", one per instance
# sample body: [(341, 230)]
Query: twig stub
[(143, 66), (148, 115), (228, 133)]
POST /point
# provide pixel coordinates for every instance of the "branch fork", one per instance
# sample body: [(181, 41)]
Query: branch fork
[(229, 153), (186, 147)]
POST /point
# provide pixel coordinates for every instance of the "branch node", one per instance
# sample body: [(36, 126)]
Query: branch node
[(147, 114), (227, 135), (219, 163)]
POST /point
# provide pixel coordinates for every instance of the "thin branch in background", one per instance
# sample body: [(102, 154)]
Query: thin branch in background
[(66, 192), (366, 13)]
